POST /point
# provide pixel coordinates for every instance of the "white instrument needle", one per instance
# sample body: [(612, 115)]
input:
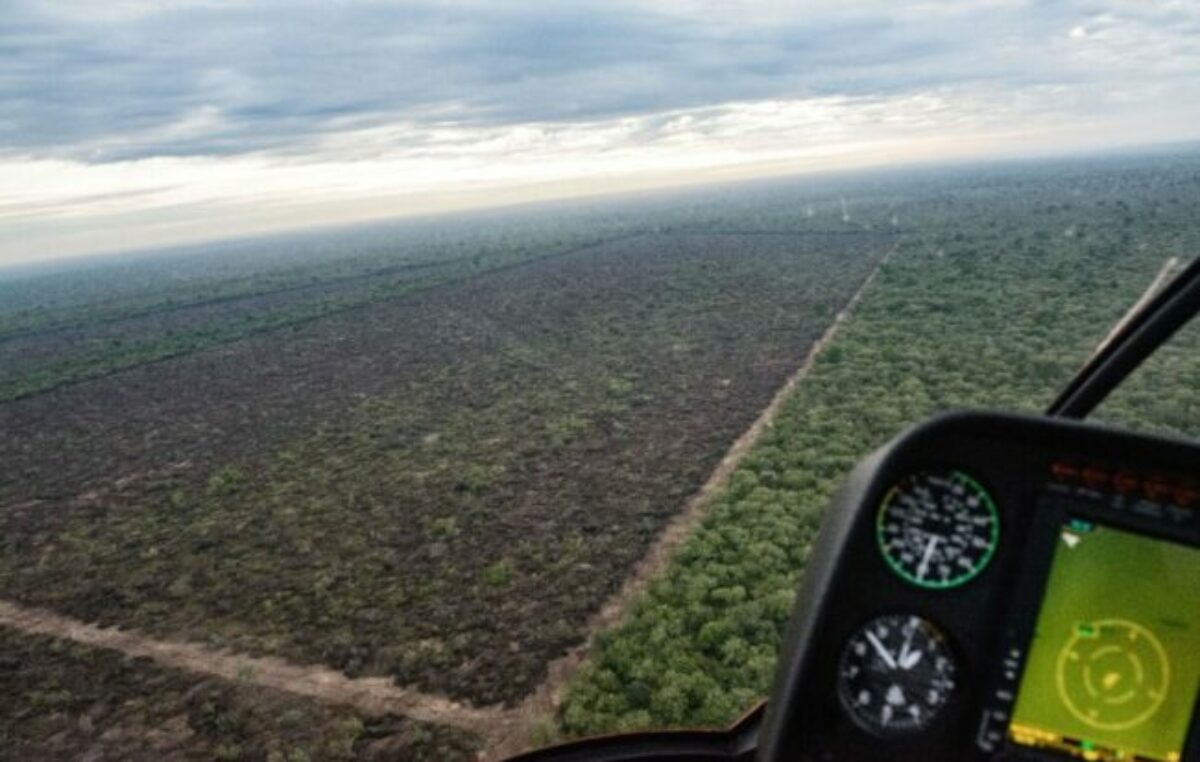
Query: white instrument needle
[(883, 652), (903, 656), (924, 567), (910, 660)]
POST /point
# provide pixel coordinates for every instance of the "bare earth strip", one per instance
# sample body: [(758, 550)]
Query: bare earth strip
[(374, 696), (504, 732)]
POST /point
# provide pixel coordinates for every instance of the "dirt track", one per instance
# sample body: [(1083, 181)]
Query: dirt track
[(371, 695)]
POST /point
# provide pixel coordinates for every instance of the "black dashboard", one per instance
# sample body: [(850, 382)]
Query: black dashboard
[(991, 586)]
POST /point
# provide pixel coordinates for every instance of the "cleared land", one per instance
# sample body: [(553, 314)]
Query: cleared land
[(441, 486), (61, 700), (44, 349)]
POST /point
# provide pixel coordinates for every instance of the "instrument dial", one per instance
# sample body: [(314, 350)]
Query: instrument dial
[(895, 676), (938, 529)]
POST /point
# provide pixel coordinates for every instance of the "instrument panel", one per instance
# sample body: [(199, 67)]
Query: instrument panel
[(994, 587)]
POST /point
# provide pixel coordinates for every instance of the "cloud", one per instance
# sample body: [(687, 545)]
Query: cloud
[(173, 104), (97, 81)]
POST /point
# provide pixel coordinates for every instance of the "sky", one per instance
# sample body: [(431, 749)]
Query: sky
[(134, 123)]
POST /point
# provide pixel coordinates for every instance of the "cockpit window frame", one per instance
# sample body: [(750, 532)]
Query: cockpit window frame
[(1150, 324)]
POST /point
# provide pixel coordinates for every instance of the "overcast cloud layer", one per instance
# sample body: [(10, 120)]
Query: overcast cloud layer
[(133, 122)]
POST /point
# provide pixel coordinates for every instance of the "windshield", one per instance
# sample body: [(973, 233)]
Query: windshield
[(439, 380)]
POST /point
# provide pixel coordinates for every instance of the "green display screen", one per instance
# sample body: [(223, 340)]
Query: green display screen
[(1114, 666)]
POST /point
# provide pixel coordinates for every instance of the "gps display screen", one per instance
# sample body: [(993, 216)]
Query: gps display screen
[(1114, 665)]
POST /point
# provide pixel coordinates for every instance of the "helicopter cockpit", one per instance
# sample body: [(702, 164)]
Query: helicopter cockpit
[(992, 586)]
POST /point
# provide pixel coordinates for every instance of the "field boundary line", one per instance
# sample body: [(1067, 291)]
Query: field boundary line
[(881, 233), (159, 309), (374, 696), (539, 707), (418, 293)]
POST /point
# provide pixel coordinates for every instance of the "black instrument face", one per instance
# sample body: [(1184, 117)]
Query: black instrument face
[(938, 529), (895, 675)]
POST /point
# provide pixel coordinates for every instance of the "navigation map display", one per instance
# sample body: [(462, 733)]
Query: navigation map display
[(1114, 664)]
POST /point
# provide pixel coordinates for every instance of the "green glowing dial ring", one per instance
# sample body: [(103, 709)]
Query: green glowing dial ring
[(938, 529)]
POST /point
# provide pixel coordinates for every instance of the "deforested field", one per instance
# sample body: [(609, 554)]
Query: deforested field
[(61, 700), (438, 481)]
